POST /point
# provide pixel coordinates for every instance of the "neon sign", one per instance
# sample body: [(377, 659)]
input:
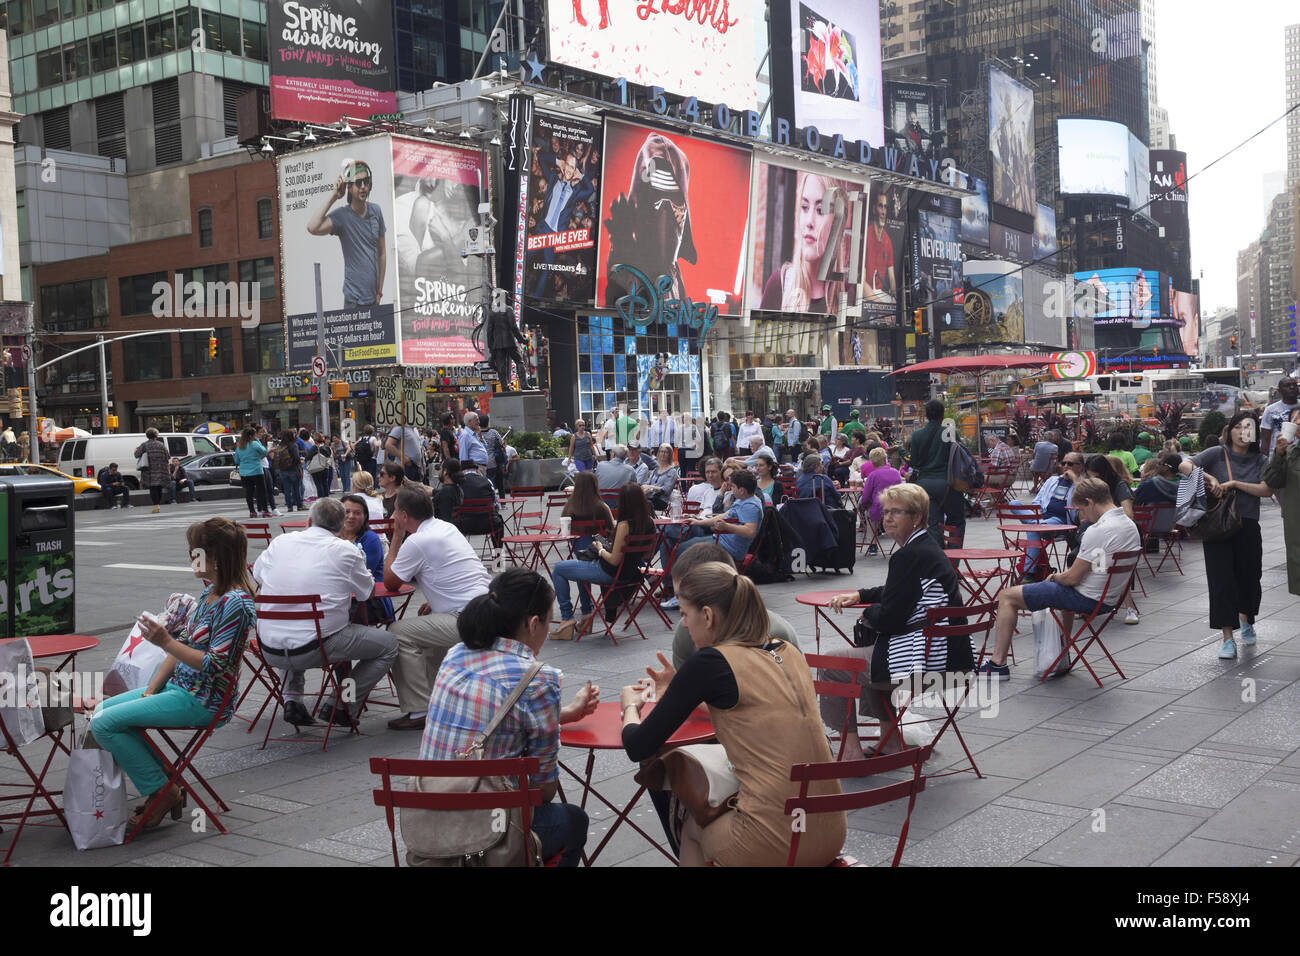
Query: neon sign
[(649, 304)]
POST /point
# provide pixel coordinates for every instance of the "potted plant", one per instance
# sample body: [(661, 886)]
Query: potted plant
[(540, 461)]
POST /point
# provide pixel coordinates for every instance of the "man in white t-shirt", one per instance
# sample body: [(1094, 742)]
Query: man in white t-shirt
[(1078, 589), (436, 558), (1278, 413), (317, 561)]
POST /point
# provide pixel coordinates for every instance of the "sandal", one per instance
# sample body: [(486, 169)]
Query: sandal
[(564, 632), (173, 804)]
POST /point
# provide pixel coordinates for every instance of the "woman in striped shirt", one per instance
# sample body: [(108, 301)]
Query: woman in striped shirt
[(198, 681), (920, 578)]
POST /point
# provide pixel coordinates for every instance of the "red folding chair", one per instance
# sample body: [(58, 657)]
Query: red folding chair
[(1014, 512), (524, 514), (1166, 531), (382, 527), (611, 499), (996, 489), (523, 799), (308, 610), (637, 550), (549, 520), (950, 537), (808, 773), (1144, 518), (848, 691), (33, 792), (182, 762), (478, 511), (258, 532), (1119, 579), (1041, 476)]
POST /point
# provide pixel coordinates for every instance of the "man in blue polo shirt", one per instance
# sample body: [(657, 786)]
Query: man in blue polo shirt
[(1054, 501), (736, 529), (470, 444)]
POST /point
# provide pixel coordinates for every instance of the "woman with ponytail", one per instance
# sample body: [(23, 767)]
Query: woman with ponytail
[(760, 696), (501, 634)]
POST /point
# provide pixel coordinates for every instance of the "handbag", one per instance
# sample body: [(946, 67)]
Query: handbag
[(22, 716), (142, 461), (94, 799), (319, 462), (470, 837), (1048, 644), (700, 777), (1222, 518), (864, 635)]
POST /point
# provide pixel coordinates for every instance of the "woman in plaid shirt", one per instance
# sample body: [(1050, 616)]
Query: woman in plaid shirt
[(501, 634)]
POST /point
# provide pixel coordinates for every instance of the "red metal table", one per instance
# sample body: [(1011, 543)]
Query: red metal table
[(603, 730), (977, 583), (516, 512), (66, 646), (293, 525), (819, 601), (538, 543)]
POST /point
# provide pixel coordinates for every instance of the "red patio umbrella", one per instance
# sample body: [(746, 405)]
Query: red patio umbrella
[(978, 364)]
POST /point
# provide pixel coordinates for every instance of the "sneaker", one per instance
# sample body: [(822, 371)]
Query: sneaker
[(1000, 671), (872, 549), (115, 507), (1248, 635), (672, 604), (1228, 651), (266, 514), (275, 512), (1132, 617), (252, 514)]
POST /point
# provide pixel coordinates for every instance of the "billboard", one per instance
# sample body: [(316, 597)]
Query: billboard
[(437, 190), (882, 273), (1044, 323), (916, 119), (1011, 142), (1007, 243), (668, 223), (1122, 295), (705, 50), (794, 233), (975, 214), (336, 209), (1045, 247), (1186, 312), (1139, 175), (1169, 192), (563, 209), (938, 253), (1094, 157), (826, 67), (995, 306), (330, 59)]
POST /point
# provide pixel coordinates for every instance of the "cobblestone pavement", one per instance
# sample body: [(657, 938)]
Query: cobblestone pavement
[(1190, 761)]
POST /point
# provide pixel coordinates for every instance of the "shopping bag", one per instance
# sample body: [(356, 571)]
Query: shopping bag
[(1048, 644), (94, 799), (20, 700), (138, 659)]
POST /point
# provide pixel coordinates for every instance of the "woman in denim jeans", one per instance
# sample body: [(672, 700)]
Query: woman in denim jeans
[(291, 477)]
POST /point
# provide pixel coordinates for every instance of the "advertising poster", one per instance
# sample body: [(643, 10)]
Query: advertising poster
[(882, 275), (330, 59), (1045, 324), (1011, 142), (670, 233), (834, 60), (916, 119), (435, 215), (995, 306), (706, 50), (1045, 235), (336, 208), (1010, 244), (1169, 191), (1139, 175), (795, 232), (1120, 295), (1093, 157), (975, 214), (563, 209), (1186, 311), (938, 258)]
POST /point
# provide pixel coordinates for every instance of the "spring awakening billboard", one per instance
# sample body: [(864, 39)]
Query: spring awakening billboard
[(336, 209), (708, 50), (563, 209), (795, 231), (1011, 142), (330, 59), (674, 211)]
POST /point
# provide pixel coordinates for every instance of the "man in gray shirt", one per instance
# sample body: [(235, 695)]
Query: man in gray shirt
[(360, 228), (615, 473)]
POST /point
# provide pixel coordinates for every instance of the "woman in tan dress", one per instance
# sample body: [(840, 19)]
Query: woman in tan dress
[(760, 696)]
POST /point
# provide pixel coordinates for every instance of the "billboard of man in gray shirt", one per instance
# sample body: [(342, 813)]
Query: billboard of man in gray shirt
[(360, 228)]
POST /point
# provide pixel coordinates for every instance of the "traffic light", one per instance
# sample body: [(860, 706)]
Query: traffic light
[(112, 421), (918, 317), (1232, 342), (339, 390), (212, 346)]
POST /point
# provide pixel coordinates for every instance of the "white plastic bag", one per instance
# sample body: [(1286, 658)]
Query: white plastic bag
[(94, 799), (20, 702), (138, 659), (1048, 644)]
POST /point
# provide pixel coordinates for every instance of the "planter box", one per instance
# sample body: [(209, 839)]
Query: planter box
[(544, 472)]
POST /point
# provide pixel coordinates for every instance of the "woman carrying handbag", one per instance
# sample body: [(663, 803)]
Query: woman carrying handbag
[(1234, 551)]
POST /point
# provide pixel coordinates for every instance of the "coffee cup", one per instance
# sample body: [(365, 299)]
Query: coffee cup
[(565, 524), (1289, 430)]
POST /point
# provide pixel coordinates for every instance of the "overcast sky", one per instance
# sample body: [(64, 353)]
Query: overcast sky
[(1220, 74)]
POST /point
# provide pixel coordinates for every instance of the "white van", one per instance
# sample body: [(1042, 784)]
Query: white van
[(85, 456)]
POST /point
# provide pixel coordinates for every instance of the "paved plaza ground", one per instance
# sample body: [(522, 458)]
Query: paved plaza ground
[(1190, 761)]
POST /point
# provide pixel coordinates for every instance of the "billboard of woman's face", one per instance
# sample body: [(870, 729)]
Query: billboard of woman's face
[(1186, 310)]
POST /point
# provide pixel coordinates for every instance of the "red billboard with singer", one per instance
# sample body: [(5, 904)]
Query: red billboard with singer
[(674, 215)]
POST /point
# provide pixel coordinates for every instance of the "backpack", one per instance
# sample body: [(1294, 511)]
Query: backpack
[(963, 473), (720, 432), (283, 458), (365, 452)]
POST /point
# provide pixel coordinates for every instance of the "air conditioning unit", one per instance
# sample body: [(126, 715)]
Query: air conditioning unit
[(253, 111)]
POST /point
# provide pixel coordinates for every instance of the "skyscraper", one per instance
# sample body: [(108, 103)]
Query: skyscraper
[(1292, 55)]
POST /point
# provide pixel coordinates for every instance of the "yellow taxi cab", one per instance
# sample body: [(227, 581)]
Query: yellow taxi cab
[(80, 486)]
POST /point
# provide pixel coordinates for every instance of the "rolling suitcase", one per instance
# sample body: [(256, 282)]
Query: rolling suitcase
[(842, 556)]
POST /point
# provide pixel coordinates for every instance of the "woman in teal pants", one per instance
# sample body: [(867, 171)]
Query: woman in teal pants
[(189, 687)]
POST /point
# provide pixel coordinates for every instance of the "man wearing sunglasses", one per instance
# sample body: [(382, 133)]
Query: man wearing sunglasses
[(1053, 500), (360, 228)]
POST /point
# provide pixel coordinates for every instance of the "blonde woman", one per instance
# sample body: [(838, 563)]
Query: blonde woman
[(364, 485), (795, 286)]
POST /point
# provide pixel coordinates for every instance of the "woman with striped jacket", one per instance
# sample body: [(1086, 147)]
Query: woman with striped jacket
[(920, 577)]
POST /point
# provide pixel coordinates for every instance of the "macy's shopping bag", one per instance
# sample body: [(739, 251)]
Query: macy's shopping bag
[(94, 799), (1048, 645), (20, 703), (138, 659)]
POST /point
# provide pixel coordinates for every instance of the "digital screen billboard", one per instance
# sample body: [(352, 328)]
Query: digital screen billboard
[(1045, 319), (1011, 142), (994, 309), (916, 118), (1139, 176), (794, 225), (1045, 246), (1121, 295), (1186, 312), (1093, 157), (709, 51), (336, 209), (938, 252), (330, 59), (975, 214), (1169, 191), (826, 67), (563, 209), (882, 273), (664, 214)]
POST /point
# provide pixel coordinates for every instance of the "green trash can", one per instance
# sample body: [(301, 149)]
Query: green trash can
[(38, 560)]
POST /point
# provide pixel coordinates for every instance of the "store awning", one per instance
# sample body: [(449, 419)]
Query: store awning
[(241, 405), (163, 407)]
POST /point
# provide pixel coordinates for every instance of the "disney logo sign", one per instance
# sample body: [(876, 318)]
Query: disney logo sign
[(647, 304)]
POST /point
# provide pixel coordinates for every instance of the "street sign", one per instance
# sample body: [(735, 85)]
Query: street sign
[(348, 429), (318, 366)]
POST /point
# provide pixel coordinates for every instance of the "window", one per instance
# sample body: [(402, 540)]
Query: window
[(75, 306), (205, 228), (136, 294), (254, 40), (224, 299), (20, 17), (194, 354), (147, 359), (131, 45), (49, 68), (103, 52), (161, 34), (177, 446), (264, 348), (265, 221), (261, 271), (221, 33)]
